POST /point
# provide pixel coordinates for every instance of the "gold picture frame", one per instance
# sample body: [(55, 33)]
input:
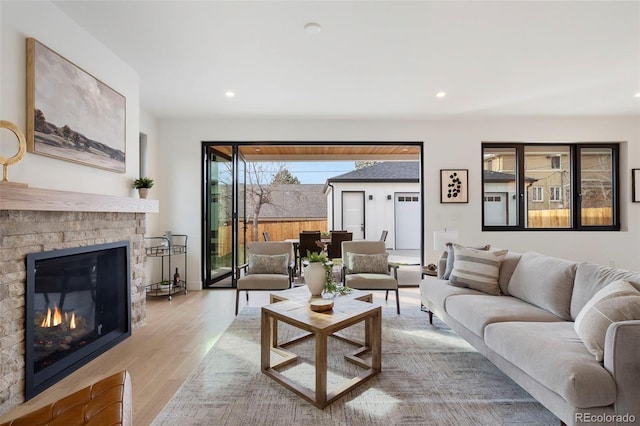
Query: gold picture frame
[(71, 115)]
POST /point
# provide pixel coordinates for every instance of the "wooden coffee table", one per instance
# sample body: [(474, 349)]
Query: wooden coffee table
[(347, 311)]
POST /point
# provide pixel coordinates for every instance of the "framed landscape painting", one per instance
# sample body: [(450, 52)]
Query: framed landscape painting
[(71, 115), (454, 185)]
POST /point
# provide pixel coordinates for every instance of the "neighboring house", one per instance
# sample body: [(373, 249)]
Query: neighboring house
[(384, 196), (293, 208), (548, 182), (293, 202)]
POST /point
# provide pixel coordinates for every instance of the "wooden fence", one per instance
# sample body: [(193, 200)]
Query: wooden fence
[(280, 231), (559, 218)]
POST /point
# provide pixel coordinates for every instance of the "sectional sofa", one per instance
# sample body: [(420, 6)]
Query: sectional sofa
[(566, 332)]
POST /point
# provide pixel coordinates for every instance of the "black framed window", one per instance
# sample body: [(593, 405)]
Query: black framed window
[(580, 180)]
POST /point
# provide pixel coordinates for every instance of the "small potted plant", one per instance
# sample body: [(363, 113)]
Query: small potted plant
[(142, 184)]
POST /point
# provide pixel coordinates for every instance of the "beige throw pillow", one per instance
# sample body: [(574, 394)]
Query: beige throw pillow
[(619, 301), (368, 263), (268, 264), (477, 269)]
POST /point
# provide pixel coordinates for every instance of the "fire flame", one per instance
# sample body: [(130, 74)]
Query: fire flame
[(54, 318)]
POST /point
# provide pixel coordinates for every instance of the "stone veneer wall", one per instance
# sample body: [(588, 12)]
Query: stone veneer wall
[(23, 232)]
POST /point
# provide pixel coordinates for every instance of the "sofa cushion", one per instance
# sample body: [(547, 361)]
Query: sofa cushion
[(477, 269), (553, 355), (475, 312), (370, 263), (619, 301), (507, 267), (268, 264), (544, 281), (435, 292), (590, 278)]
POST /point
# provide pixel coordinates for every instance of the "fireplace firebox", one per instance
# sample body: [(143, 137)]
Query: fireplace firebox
[(78, 305)]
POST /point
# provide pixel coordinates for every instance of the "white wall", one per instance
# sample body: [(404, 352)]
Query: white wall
[(47, 24), (447, 144)]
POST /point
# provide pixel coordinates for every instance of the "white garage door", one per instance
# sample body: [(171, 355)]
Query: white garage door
[(495, 208), (407, 221)]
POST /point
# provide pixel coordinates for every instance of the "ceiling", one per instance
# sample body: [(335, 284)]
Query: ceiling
[(374, 59)]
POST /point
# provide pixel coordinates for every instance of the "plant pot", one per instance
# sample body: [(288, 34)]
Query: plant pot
[(143, 192), (314, 277)]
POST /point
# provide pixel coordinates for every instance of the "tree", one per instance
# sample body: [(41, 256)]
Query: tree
[(284, 177), (261, 180), (363, 163)]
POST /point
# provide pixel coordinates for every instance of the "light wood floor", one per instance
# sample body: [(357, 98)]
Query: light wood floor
[(161, 354)]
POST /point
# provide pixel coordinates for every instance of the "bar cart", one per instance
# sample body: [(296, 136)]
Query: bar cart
[(165, 248)]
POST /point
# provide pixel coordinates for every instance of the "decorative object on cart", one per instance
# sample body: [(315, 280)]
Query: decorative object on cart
[(89, 116), (165, 248), (454, 185), (315, 273), (635, 185), (22, 149), (143, 184)]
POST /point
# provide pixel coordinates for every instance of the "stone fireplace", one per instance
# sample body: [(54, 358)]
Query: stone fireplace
[(35, 220)]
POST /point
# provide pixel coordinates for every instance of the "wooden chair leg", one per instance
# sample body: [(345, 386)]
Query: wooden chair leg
[(386, 296), (247, 293), (430, 317), (237, 297), (398, 301)]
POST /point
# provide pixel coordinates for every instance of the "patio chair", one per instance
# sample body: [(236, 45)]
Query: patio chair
[(269, 268), (365, 267), (308, 244), (335, 246)]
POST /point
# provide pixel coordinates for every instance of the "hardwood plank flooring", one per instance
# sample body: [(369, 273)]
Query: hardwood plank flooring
[(161, 354)]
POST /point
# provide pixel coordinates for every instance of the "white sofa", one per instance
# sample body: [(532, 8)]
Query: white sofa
[(528, 332)]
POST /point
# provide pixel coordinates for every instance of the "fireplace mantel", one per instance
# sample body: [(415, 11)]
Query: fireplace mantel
[(21, 197)]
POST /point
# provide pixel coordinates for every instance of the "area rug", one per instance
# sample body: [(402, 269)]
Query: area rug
[(430, 376)]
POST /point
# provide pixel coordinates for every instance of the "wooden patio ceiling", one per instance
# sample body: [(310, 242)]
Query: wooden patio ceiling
[(324, 152)]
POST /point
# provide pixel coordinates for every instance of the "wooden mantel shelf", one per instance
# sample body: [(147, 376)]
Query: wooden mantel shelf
[(21, 197)]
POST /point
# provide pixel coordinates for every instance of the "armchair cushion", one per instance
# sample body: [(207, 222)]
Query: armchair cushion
[(367, 263), (268, 264)]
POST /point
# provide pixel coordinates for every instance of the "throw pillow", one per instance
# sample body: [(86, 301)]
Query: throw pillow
[(268, 264), (369, 263), (477, 269), (451, 258), (619, 301)]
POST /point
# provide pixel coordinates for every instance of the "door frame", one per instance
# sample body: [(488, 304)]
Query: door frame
[(237, 145)]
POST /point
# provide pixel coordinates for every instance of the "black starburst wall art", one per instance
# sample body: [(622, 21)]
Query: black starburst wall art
[(453, 186)]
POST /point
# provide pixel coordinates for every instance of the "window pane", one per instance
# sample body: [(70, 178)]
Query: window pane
[(500, 187), (596, 179), (547, 169)]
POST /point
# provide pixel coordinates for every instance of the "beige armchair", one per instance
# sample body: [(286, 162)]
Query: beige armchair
[(365, 267), (269, 267)]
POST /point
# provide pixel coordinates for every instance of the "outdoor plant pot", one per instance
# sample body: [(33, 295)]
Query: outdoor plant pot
[(314, 276), (143, 192)]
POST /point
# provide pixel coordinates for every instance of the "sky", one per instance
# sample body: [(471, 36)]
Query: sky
[(319, 171)]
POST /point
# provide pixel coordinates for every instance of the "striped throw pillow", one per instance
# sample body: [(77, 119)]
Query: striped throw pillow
[(477, 269)]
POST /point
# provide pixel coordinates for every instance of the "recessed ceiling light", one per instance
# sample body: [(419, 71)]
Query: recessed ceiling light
[(312, 28), (258, 150), (441, 94), (229, 94), (637, 95)]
